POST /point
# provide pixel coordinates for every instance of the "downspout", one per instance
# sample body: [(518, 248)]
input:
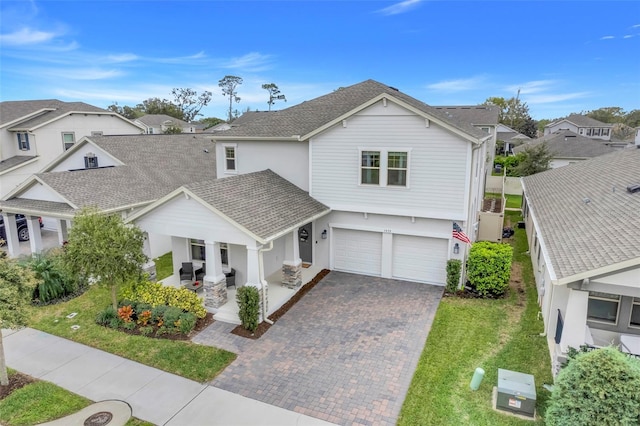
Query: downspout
[(263, 282), (546, 326)]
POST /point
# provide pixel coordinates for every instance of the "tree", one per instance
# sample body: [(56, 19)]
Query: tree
[(515, 114), (274, 94), (125, 111), (103, 247), (173, 129), (601, 387), (608, 115), (632, 119), (17, 284), (229, 84), (160, 106), (534, 159), (210, 121), (188, 101)]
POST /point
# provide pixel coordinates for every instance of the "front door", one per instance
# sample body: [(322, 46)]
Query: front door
[(305, 238)]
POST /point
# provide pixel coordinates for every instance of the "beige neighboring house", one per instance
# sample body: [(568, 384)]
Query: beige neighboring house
[(583, 228), (157, 124), (581, 125), (33, 133), (568, 147)]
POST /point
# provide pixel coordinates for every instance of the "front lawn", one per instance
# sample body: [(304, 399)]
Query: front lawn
[(491, 334), (164, 266), (513, 201), (195, 362)]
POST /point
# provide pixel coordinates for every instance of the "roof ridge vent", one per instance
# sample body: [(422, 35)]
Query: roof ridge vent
[(632, 189)]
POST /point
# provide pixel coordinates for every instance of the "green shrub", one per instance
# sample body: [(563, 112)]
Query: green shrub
[(146, 331), (156, 294), (489, 267), (248, 299), (54, 281), (157, 313), (130, 325), (105, 317), (454, 266), (601, 387), (116, 322), (171, 316), (187, 322)]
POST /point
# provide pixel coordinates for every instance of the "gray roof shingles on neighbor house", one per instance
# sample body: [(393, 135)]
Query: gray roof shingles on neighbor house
[(154, 165), (585, 215), (262, 202), (581, 121), (566, 144), (13, 110), (304, 118), (157, 120)]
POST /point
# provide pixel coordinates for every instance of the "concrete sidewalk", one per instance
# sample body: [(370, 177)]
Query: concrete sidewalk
[(154, 395)]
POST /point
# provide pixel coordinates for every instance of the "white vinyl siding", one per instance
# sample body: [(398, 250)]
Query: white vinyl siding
[(420, 259), (437, 169), (358, 251)]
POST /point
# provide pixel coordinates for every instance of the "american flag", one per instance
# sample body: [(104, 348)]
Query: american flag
[(458, 234)]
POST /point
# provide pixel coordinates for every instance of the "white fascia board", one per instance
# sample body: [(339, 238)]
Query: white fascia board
[(66, 114), (85, 140), (419, 213), (17, 166), (614, 267), (27, 117), (297, 225), (292, 138)]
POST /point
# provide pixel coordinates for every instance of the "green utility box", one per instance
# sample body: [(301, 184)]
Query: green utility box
[(516, 393)]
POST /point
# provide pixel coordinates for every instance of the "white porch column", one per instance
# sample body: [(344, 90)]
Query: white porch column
[(575, 320), (215, 283), (253, 267), (292, 265), (181, 252), (63, 235), (11, 234), (35, 236), (150, 266)]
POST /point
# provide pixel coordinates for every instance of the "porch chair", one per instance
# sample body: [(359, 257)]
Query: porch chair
[(201, 272), (186, 272)]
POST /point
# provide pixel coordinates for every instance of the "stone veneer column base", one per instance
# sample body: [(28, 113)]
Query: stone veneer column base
[(215, 293), (292, 275)]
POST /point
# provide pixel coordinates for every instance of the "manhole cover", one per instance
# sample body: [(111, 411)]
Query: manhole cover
[(99, 419)]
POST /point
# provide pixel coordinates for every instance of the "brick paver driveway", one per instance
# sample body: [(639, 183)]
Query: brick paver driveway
[(345, 353)]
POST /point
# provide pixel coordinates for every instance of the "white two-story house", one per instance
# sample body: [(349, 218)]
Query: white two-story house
[(34, 133), (365, 179), (581, 125)]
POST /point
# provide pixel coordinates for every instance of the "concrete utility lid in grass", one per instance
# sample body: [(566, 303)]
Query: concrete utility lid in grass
[(112, 413)]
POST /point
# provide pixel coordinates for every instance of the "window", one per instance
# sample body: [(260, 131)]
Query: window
[(588, 132), (605, 132), (486, 129), (23, 141), (370, 168), (96, 133), (90, 161), (230, 158), (68, 139), (634, 321), (596, 132), (397, 169), (603, 307), (198, 251)]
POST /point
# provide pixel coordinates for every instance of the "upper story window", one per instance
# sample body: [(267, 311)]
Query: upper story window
[(603, 307), (90, 161), (370, 168), (23, 141), (68, 139), (397, 169), (486, 129), (605, 132), (634, 321), (230, 158)]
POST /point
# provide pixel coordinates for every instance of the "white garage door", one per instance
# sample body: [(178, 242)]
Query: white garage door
[(357, 251), (420, 259)]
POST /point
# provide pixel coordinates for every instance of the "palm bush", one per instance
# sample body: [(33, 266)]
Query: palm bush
[(53, 281)]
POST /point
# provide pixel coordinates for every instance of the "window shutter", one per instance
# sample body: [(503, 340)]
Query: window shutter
[(86, 162)]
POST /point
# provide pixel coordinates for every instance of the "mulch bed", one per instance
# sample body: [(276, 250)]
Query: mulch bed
[(201, 324), (16, 381), (264, 326)]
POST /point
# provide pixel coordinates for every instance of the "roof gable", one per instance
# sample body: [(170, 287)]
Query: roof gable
[(566, 144)]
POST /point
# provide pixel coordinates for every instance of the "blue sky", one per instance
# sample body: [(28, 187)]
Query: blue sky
[(564, 56)]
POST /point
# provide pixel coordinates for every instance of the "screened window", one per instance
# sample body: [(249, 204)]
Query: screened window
[(397, 169), (635, 313), (230, 158), (605, 132), (370, 168), (198, 252), (68, 139), (603, 307), (23, 141)]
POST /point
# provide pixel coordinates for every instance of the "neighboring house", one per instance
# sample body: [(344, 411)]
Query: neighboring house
[(117, 174), (567, 147), (365, 179), (509, 139), (157, 124), (33, 133), (583, 229), (581, 125)]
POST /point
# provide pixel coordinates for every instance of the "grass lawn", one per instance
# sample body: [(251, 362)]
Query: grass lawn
[(164, 266), (470, 333), (196, 362), (513, 201), (40, 402)]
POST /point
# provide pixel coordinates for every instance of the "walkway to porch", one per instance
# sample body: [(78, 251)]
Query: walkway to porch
[(277, 294)]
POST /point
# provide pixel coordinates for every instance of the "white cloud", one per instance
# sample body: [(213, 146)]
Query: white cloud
[(628, 36), (529, 87), (26, 36), (458, 85), (123, 57), (552, 98), (251, 61), (635, 26), (398, 8), (607, 38), (83, 74)]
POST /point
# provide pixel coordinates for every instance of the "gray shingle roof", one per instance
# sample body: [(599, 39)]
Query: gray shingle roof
[(512, 137), (14, 161), (39, 206), (566, 144), (262, 202), (154, 165), (308, 116), (586, 217), (157, 120), (13, 110), (474, 114), (581, 121)]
